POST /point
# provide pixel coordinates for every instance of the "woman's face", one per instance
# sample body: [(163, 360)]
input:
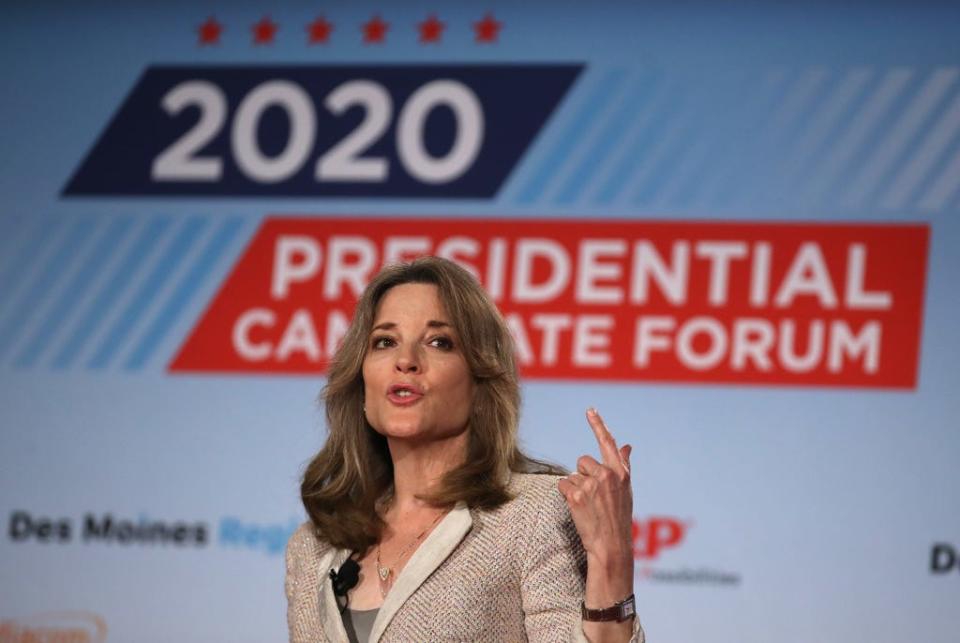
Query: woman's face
[(416, 381)]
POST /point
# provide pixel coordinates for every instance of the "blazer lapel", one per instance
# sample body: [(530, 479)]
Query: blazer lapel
[(331, 623), (428, 556)]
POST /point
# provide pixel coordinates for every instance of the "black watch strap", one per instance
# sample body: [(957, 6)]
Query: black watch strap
[(619, 612)]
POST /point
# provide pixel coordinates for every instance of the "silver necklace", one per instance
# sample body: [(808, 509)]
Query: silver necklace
[(385, 574)]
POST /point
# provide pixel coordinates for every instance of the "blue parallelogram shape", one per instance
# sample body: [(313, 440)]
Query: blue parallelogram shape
[(111, 291), (74, 293), (168, 262), (188, 286), (609, 138), (27, 253), (40, 288), (565, 144), (638, 146)]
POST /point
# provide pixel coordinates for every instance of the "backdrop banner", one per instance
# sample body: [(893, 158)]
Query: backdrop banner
[(728, 226)]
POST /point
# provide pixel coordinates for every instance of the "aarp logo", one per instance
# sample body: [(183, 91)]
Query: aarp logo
[(655, 534)]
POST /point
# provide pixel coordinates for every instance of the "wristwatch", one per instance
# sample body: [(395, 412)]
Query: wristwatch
[(619, 612)]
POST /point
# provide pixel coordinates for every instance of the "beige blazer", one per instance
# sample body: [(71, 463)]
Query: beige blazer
[(516, 573)]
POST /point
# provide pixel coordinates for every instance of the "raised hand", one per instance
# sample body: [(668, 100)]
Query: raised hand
[(601, 503), (600, 496)]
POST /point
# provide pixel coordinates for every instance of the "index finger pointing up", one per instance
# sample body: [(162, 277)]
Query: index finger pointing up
[(608, 446)]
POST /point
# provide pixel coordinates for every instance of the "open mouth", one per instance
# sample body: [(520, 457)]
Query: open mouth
[(404, 394)]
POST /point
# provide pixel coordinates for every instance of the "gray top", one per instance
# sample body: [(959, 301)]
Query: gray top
[(358, 624)]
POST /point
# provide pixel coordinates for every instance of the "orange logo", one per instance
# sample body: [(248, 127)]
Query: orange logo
[(55, 627), (655, 534)]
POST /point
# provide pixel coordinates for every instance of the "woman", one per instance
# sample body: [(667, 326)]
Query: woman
[(458, 535)]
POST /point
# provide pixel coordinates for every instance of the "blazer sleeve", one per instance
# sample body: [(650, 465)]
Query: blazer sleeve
[(291, 579), (553, 575), (300, 585)]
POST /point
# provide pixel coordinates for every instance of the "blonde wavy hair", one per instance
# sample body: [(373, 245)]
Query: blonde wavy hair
[(352, 475)]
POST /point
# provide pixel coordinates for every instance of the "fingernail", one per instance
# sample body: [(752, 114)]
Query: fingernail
[(592, 411), (629, 450)]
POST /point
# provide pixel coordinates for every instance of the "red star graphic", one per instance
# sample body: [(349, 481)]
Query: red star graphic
[(487, 29), (431, 29), (375, 30), (210, 31), (319, 31), (264, 31)]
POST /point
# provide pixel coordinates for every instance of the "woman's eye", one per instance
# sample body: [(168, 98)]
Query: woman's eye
[(441, 342), (382, 342)]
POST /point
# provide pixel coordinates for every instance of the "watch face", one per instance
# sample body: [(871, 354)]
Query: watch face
[(629, 609)]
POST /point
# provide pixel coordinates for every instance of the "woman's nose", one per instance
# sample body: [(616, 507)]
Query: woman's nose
[(407, 362)]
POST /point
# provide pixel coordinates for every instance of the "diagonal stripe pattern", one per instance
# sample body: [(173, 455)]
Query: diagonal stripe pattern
[(225, 233), (864, 138), (125, 324), (106, 292), (74, 293), (38, 290)]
